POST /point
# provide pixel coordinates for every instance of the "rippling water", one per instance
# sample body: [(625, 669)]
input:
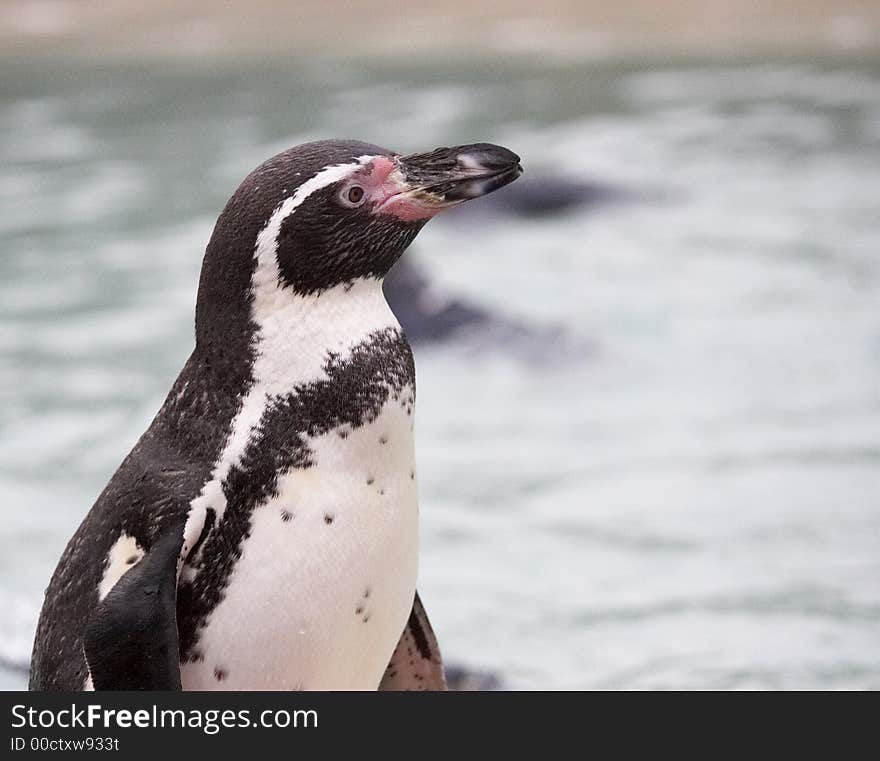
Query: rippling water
[(690, 501)]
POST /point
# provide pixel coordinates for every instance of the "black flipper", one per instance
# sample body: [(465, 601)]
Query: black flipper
[(131, 642), (415, 663)]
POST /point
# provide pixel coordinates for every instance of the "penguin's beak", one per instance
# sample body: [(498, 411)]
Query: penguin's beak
[(431, 182), (461, 173)]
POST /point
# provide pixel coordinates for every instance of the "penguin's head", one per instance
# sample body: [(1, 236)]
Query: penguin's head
[(356, 214), (327, 213)]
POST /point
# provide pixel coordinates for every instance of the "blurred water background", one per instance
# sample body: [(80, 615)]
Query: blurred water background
[(682, 492)]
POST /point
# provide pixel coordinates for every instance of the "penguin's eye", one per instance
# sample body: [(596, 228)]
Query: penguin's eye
[(353, 196)]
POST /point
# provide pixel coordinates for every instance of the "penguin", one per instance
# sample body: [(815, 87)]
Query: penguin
[(263, 532)]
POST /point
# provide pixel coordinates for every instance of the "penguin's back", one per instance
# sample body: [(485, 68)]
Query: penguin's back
[(150, 492)]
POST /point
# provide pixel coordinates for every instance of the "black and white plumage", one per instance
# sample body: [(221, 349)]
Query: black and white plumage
[(263, 533)]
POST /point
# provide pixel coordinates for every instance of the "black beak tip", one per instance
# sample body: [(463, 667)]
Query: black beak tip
[(490, 157), (463, 172)]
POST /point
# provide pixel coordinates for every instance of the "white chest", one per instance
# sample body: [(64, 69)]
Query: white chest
[(325, 582), (326, 578)]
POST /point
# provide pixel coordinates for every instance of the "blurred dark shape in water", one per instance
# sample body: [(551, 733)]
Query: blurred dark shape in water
[(545, 195), (426, 315), (430, 316)]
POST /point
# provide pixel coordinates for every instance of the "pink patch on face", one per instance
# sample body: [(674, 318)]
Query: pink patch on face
[(389, 192), (408, 208), (380, 168), (380, 182), (374, 179)]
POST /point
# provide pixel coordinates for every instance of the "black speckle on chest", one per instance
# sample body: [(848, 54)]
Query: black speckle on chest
[(352, 395)]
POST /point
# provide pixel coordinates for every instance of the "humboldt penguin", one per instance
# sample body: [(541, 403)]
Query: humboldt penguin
[(263, 532)]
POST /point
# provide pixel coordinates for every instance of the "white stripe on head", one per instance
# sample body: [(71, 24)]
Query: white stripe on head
[(266, 280)]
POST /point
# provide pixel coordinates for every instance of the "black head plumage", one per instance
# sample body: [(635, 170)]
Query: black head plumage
[(330, 212)]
